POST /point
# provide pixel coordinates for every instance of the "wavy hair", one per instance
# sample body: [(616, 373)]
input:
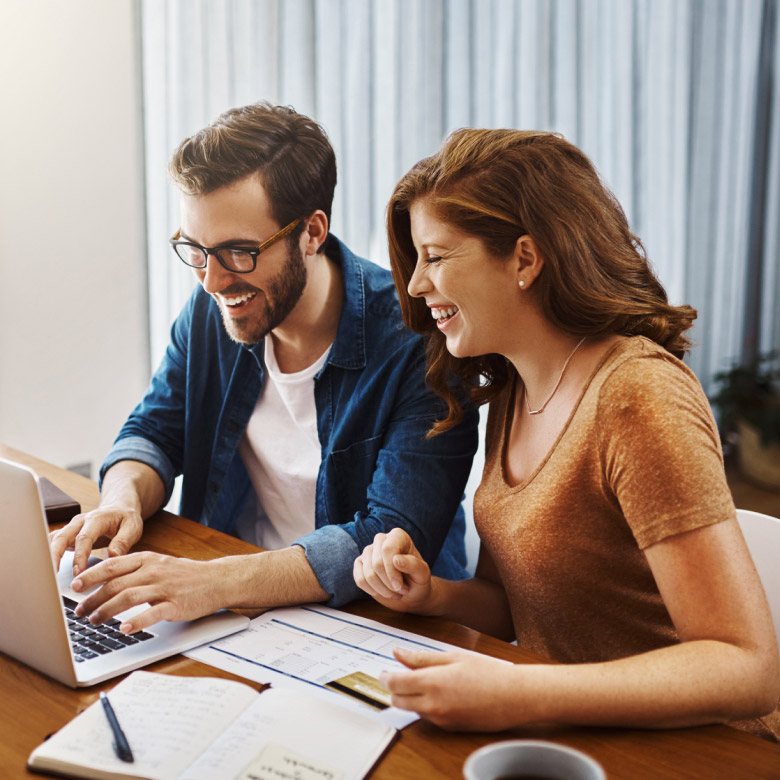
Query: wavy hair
[(498, 185)]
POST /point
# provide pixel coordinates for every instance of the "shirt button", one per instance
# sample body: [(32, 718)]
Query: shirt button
[(214, 487), (233, 427)]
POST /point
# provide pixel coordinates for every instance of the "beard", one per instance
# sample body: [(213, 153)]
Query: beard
[(282, 292)]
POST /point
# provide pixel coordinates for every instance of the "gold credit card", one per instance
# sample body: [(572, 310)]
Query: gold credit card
[(363, 687)]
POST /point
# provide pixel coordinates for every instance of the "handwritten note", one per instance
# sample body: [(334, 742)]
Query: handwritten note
[(277, 762)]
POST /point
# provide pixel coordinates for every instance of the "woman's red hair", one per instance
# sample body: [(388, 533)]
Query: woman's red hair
[(498, 185)]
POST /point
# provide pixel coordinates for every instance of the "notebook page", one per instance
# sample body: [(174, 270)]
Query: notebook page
[(168, 721), (294, 735)]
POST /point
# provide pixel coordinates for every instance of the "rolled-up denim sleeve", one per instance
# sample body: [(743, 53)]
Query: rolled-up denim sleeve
[(144, 451), (331, 553)]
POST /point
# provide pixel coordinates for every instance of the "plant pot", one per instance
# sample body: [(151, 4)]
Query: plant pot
[(759, 464)]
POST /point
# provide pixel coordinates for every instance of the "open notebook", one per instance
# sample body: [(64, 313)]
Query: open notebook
[(202, 728)]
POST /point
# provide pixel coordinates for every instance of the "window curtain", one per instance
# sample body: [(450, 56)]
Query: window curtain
[(675, 101)]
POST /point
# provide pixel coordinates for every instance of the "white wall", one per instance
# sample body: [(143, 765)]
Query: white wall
[(73, 319)]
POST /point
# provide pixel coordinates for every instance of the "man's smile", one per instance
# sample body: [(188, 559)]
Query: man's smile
[(237, 300)]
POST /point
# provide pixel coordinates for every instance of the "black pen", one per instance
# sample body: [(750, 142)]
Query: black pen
[(121, 745)]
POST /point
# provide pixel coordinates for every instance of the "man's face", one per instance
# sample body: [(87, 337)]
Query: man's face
[(239, 214)]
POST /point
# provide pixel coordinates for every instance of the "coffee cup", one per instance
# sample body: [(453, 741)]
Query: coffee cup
[(528, 759)]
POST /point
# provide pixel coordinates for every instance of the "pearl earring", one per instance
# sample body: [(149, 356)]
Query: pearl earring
[(521, 283)]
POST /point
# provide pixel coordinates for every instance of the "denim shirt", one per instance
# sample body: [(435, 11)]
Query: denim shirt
[(378, 471)]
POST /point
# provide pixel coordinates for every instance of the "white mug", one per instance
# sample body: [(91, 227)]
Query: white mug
[(534, 758)]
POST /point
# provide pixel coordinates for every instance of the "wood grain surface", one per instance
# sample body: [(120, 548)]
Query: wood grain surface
[(34, 706)]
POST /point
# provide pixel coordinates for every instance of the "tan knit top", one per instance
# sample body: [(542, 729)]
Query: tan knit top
[(638, 460)]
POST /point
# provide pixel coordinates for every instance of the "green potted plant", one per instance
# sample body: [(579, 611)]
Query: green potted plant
[(748, 400)]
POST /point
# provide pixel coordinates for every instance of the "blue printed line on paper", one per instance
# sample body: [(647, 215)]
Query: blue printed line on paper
[(334, 641), (265, 666), (366, 628)]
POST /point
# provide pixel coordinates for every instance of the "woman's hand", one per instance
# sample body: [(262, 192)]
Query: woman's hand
[(458, 691), (392, 571)]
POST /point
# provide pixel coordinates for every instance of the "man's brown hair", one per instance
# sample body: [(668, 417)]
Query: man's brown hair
[(290, 152)]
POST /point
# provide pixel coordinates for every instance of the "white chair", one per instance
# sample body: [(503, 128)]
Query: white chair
[(762, 534)]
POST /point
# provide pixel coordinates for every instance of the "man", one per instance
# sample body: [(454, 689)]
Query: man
[(291, 398)]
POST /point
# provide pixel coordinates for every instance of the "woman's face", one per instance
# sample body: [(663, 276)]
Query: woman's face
[(470, 293)]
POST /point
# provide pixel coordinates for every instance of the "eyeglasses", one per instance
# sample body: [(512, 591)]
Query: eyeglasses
[(237, 259)]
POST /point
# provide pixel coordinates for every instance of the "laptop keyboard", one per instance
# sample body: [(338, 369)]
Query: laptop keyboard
[(90, 641)]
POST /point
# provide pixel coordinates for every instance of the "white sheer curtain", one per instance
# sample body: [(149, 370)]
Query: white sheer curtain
[(676, 101)]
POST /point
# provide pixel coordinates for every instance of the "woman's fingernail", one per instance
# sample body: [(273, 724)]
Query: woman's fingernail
[(77, 585), (126, 628)]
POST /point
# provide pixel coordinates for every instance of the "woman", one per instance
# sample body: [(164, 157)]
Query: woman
[(609, 536)]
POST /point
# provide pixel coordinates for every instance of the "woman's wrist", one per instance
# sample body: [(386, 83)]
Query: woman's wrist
[(436, 605)]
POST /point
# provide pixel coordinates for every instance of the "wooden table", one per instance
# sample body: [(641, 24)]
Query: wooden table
[(34, 706)]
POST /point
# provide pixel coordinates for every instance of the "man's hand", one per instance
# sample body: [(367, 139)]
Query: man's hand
[(459, 691), (392, 571), (131, 492), (183, 589), (122, 526), (175, 588)]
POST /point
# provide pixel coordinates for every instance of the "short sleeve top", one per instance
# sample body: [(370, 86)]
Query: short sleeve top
[(638, 460)]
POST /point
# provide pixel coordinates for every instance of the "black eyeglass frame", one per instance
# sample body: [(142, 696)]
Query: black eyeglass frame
[(215, 250)]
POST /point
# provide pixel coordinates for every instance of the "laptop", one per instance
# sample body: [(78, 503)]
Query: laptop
[(37, 622)]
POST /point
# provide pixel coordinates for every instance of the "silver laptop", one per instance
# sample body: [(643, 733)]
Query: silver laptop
[(37, 623)]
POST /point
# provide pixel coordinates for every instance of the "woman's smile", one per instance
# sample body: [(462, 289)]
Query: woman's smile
[(443, 314)]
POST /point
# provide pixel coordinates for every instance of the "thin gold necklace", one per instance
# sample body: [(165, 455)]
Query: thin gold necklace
[(557, 384)]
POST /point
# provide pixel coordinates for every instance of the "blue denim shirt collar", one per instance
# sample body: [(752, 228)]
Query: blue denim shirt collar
[(349, 348)]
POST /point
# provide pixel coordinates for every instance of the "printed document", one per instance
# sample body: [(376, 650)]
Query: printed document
[(324, 651)]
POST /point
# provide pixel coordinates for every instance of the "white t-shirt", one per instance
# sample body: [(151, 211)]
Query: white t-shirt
[(281, 451)]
